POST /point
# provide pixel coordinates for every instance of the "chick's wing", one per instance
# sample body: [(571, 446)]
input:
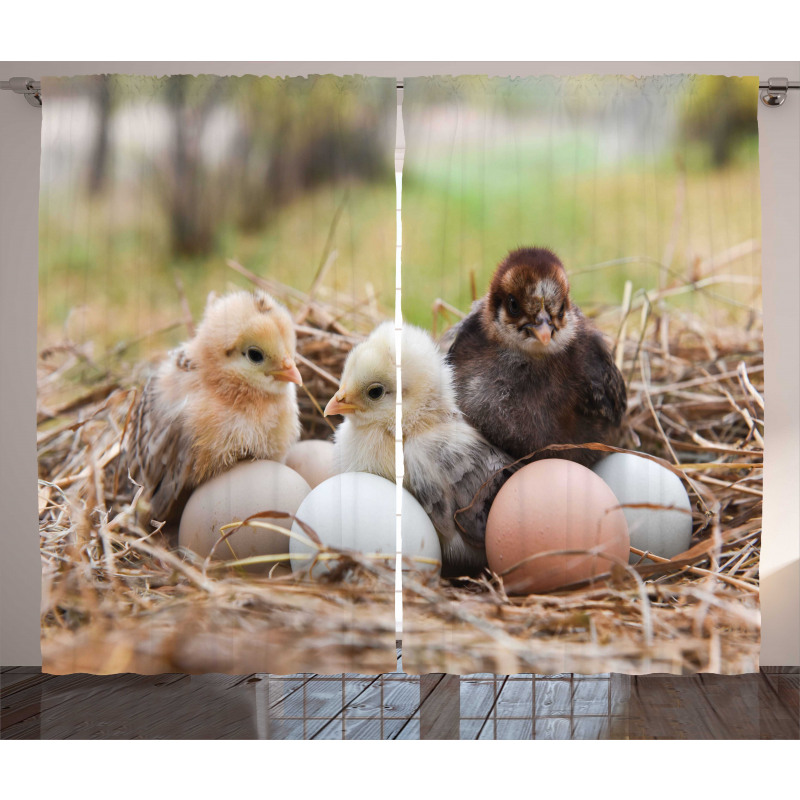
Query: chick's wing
[(604, 397), (449, 471), (160, 454)]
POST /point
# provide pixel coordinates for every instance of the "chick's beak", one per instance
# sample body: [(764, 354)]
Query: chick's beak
[(288, 372), (543, 332), (337, 405), (541, 327)]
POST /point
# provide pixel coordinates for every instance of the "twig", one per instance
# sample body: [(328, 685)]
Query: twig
[(744, 378), (745, 587), (314, 368), (619, 343), (318, 408), (176, 563)]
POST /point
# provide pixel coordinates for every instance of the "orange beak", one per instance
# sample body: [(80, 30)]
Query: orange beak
[(336, 405), (288, 372), (543, 332)]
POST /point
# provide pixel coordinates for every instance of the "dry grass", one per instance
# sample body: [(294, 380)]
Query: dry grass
[(118, 598), (696, 404)]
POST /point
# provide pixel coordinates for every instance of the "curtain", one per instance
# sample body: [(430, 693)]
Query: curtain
[(586, 252), (211, 249), (562, 418)]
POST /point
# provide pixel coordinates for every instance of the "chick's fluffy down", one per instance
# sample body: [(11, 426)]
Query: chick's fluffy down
[(224, 396), (446, 461), (530, 369)]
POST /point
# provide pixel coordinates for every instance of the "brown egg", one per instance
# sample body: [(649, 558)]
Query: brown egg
[(235, 495), (312, 459), (554, 505)]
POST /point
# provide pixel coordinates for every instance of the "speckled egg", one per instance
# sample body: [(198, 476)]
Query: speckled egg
[(554, 505), (246, 489), (665, 528)]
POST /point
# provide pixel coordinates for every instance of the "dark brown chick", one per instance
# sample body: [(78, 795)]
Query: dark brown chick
[(530, 370)]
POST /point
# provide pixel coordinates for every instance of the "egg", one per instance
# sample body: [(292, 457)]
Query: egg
[(246, 489), (664, 531), (358, 511), (554, 505), (313, 460)]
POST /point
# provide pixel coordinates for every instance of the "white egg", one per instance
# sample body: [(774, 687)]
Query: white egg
[(358, 511), (246, 489), (664, 531), (313, 460)]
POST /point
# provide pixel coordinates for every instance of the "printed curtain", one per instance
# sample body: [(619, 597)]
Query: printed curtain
[(551, 438), (211, 250), (587, 252)]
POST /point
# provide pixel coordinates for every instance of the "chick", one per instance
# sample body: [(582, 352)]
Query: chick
[(446, 460), (530, 369), (224, 396)]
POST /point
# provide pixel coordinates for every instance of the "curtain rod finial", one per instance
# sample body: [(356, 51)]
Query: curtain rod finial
[(28, 87)]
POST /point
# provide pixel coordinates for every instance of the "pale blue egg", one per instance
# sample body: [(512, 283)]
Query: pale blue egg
[(358, 511), (638, 481)]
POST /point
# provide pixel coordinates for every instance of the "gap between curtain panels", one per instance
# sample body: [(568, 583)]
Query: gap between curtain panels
[(399, 155)]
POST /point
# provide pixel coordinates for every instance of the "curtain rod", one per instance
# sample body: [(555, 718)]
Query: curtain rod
[(773, 91)]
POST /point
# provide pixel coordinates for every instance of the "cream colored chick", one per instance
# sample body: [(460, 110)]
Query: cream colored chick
[(226, 395), (446, 461)]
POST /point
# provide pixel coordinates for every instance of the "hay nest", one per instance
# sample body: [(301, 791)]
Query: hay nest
[(118, 598)]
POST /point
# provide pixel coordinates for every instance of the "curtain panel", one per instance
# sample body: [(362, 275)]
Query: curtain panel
[(587, 252), (211, 250)]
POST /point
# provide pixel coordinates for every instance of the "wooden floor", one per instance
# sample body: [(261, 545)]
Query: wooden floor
[(399, 706)]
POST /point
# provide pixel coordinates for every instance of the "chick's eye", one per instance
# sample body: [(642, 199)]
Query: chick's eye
[(513, 306), (375, 392), (254, 355)]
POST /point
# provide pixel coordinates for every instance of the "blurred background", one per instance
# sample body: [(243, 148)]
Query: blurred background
[(648, 180), (149, 186)]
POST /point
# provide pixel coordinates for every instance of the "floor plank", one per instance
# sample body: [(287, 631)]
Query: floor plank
[(355, 728), (387, 699), (553, 698), (11, 682), (499, 728), (553, 728), (470, 728), (352, 691), (477, 696), (439, 706), (779, 706), (705, 707), (183, 707), (409, 730), (176, 706), (515, 699)]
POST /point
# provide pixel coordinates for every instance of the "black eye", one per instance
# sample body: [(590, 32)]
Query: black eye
[(255, 355), (375, 392), (513, 306)]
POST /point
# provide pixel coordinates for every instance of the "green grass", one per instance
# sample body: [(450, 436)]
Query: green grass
[(464, 217), (106, 274)]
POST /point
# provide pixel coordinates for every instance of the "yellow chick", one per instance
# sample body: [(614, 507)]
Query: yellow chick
[(226, 395), (365, 441), (448, 465)]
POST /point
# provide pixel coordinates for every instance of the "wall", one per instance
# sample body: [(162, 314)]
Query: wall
[(19, 174)]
